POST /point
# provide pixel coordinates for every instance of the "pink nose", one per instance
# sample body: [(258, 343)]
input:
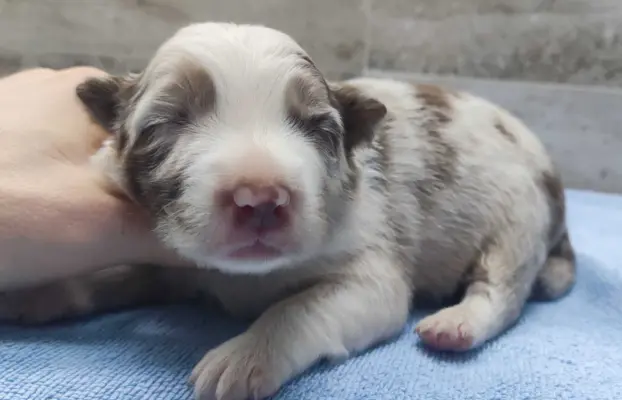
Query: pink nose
[(261, 208)]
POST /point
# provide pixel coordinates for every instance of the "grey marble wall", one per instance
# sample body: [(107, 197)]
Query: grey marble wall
[(575, 41), (578, 41), (564, 41), (122, 34)]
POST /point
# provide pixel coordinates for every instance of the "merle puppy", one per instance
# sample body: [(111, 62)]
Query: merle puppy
[(321, 209)]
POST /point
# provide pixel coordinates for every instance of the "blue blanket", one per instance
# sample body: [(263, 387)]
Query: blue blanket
[(571, 349)]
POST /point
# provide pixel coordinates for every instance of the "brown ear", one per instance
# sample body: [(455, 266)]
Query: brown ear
[(360, 114), (104, 98)]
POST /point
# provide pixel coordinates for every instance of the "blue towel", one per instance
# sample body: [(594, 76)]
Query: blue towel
[(570, 349)]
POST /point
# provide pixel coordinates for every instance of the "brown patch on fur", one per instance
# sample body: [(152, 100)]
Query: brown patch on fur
[(563, 249), (380, 159), (103, 98), (360, 115), (351, 183), (445, 157), (121, 142), (109, 101), (309, 111), (308, 61), (441, 159), (306, 94), (433, 96), (558, 274), (309, 95), (308, 90), (310, 104), (191, 94), (148, 151), (552, 186), (503, 131)]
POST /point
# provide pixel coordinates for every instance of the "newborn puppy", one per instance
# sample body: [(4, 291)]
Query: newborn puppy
[(321, 208)]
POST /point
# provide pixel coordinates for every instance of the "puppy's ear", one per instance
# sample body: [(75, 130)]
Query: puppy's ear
[(105, 98), (360, 114)]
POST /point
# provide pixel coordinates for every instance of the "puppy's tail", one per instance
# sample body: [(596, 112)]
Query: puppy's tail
[(558, 274)]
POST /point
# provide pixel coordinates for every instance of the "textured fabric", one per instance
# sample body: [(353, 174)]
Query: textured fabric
[(570, 349)]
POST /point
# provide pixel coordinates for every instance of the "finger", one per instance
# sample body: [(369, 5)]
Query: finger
[(28, 76)]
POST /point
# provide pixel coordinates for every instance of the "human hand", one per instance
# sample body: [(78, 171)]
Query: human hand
[(57, 218)]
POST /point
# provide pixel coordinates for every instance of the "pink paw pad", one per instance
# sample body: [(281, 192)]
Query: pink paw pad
[(446, 337)]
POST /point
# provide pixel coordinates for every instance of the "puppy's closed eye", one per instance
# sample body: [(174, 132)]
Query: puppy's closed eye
[(323, 130)]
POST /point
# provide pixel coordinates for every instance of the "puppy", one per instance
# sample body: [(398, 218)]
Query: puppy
[(320, 209)]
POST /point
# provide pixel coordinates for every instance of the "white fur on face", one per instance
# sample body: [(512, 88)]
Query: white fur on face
[(219, 156), (247, 137)]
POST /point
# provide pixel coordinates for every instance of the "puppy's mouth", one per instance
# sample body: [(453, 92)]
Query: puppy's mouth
[(256, 251)]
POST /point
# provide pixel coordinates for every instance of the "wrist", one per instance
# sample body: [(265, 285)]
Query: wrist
[(50, 232), (130, 235), (47, 235)]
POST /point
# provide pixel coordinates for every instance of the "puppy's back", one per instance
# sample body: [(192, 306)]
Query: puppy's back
[(460, 172)]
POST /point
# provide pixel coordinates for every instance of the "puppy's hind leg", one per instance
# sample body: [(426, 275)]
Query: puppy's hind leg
[(558, 275), (498, 287), (98, 292)]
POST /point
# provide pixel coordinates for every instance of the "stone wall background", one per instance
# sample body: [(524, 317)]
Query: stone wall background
[(574, 42), (577, 41)]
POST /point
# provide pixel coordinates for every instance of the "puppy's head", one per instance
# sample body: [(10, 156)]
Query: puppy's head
[(236, 144)]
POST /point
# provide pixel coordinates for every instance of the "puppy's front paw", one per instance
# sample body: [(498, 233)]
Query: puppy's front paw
[(245, 367)]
